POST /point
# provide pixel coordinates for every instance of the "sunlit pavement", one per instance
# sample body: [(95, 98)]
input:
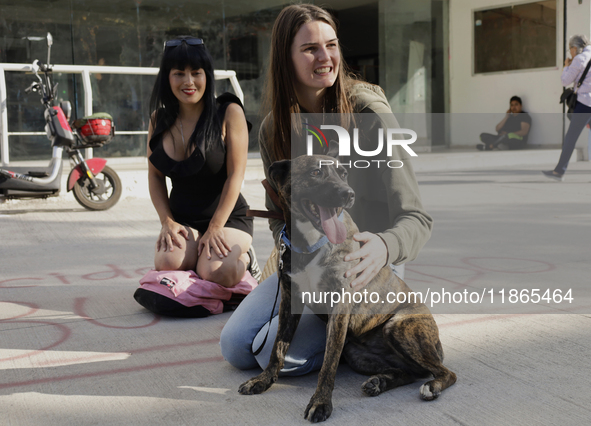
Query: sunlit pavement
[(76, 349)]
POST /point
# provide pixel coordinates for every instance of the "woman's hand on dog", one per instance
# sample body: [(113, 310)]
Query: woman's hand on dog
[(170, 235), (374, 255), (213, 240)]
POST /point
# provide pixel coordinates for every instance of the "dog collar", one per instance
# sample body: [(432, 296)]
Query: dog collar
[(308, 249)]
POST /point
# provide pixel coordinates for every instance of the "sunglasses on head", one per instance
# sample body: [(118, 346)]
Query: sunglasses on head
[(191, 41)]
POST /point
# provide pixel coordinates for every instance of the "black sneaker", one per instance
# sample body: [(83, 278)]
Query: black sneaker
[(484, 147), (253, 265), (553, 175)]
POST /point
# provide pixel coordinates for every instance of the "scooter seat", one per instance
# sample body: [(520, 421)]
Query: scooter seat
[(35, 174)]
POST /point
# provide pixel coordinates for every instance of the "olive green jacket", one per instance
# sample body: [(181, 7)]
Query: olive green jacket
[(387, 200)]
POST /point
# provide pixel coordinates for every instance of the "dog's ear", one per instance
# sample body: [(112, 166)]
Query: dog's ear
[(279, 172), (333, 149)]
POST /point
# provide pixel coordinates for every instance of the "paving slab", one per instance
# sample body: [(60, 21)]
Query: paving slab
[(76, 349)]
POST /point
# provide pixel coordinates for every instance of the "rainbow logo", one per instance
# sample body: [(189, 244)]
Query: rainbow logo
[(317, 132)]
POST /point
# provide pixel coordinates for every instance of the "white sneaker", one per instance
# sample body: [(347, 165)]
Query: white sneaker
[(253, 265)]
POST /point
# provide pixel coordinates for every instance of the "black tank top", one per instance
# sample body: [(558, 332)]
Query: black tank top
[(197, 182)]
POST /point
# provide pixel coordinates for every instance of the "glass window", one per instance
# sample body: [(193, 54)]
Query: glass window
[(399, 45), (516, 37)]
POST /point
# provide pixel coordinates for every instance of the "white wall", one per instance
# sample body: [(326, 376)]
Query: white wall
[(490, 93)]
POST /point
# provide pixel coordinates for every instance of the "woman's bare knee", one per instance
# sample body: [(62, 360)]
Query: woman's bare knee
[(216, 275), (224, 274), (229, 271), (178, 260), (167, 263)]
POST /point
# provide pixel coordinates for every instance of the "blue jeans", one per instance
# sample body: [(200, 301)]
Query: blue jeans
[(579, 119), (249, 324)]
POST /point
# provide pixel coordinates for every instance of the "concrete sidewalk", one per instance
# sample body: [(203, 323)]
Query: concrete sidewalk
[(132, 171), (76, 349)]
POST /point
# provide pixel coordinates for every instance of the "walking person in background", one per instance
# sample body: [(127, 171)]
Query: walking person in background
[(580, 52)]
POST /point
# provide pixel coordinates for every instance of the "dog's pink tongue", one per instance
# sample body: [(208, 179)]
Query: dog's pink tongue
[(334, 229)]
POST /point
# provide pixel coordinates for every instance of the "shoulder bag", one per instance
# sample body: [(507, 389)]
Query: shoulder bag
[(569, 96)]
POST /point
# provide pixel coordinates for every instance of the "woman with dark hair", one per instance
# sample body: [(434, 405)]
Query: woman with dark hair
[(580, 53), (202, 147), (307, 75)]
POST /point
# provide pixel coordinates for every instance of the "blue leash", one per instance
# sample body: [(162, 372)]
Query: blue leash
[(286, 243)]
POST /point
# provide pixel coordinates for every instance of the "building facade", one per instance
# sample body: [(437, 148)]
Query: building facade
[(386, 42), (431, 57)]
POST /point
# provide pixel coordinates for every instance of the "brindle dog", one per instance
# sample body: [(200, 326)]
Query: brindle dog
[(394, 343)]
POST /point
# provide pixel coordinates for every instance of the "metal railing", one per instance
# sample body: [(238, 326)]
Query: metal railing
[(85, 71)]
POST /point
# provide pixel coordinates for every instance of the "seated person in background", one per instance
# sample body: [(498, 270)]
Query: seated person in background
[(512, 131)]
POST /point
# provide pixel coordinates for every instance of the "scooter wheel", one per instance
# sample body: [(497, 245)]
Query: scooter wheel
[(104, 196)]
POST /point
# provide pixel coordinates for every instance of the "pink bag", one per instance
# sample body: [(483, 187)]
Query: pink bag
[(184, 294)]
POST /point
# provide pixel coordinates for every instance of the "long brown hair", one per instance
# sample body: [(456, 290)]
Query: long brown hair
[(281, 98)]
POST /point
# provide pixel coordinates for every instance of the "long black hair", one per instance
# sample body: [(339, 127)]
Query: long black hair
[(164, 106)]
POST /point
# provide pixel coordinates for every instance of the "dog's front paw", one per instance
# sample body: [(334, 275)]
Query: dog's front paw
[(371, 386), (430, 390), (255, 386), (318, 411)]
